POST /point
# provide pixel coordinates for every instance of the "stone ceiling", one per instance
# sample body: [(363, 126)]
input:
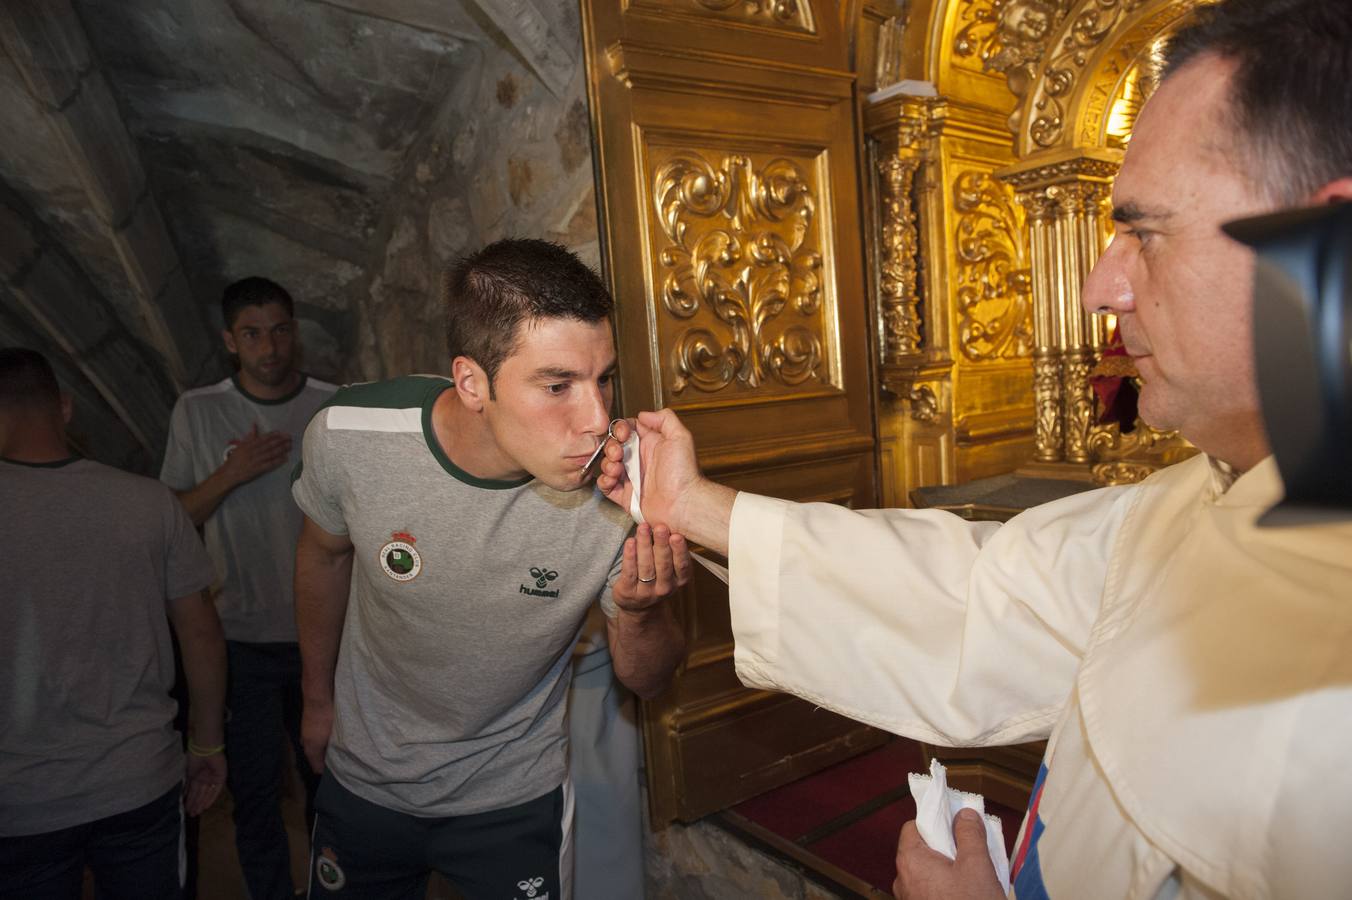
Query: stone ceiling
[(151, 151)]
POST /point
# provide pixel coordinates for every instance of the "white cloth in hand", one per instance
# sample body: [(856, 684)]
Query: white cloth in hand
[(634, 470), (937, 804)]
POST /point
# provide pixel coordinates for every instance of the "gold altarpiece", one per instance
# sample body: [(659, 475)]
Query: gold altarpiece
[(991, 201), (849, 298)]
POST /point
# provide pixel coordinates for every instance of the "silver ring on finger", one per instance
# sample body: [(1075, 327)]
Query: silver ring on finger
[(647, 580)]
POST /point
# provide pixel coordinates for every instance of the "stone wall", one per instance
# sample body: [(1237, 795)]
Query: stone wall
[(505, 157)]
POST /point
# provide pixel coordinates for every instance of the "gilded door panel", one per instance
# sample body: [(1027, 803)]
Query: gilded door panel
[(729, 189)]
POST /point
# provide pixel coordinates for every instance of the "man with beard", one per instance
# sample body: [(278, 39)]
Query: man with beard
[(229, 445)]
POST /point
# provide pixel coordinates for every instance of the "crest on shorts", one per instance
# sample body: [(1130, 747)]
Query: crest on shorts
[(399, 558), (331, 877)]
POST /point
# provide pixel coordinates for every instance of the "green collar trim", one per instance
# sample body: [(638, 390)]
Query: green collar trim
[(261, 401), (54, 464), (429, 434)]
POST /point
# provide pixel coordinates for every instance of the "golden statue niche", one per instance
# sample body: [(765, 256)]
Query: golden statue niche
[(992, 168)]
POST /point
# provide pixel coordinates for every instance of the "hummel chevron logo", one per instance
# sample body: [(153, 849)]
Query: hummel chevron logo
[(543, 576)]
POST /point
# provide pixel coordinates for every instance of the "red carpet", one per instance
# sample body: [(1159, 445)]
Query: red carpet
[(850, 814)]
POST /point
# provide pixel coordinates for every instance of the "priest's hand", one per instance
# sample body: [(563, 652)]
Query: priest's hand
[(673, 491), (925, 874)]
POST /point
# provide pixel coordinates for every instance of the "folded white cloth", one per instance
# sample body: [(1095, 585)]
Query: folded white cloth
[(937, 804)]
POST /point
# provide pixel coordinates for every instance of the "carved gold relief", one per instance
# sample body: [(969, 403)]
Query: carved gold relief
[(1008, 36), (792, 13), (1079, 403), (1128, 458), (1047, 390), (994, 286), (924, 405), (900, 297), (741, 272)]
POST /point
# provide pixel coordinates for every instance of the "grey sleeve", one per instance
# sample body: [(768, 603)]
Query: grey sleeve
[(177, 468), (187, 568), (312, 484)]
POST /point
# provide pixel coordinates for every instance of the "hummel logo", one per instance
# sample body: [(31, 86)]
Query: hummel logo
[(532, 888), (542, 576)]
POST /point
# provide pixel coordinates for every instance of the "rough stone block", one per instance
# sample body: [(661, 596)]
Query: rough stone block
[(47, 42), (59, 296), (101, 151), (186, 327), (17, 245), (144, 246)]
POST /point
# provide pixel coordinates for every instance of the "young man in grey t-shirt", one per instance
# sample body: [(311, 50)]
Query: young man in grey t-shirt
[(452, 547), (226, 458)]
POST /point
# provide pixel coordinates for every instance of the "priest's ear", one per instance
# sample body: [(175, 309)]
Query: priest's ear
[(471, 383), (1338, 190)]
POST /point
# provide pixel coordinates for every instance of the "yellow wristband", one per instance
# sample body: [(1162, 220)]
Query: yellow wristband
[(196, 750)]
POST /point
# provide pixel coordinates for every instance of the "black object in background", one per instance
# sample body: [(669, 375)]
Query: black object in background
[(1302, 325)]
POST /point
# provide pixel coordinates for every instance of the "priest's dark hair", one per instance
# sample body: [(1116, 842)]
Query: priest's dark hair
[(1291, 93), (490, 294)]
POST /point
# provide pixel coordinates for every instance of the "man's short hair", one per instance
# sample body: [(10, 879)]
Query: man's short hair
[(27, 380), (489, 294), (1291, 95), (254, 291)]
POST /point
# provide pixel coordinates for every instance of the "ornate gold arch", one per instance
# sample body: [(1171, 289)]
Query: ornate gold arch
[(1049, 88)]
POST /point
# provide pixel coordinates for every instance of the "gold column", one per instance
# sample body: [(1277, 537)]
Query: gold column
[(1064, 198)]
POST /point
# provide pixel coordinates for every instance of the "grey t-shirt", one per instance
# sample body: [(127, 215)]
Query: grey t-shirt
[(91, 555), (467, 596), (252, 535)]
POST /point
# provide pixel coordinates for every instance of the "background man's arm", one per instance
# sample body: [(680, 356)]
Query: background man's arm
[(646, 641), (202, 643), (323, 577), (253, 456)]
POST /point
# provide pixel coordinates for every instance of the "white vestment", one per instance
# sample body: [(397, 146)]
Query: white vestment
[(1192, 673)]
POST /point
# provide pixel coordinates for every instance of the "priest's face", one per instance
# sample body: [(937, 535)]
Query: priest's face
[(1179, 287)]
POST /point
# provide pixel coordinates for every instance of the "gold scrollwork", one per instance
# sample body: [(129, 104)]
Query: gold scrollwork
[(742, 258), (924, 405), (1079, 404), (775, 12), (899, 270), (1008, 36), (1047, 388), (1127, 458), (1088, 29), (994, 282)]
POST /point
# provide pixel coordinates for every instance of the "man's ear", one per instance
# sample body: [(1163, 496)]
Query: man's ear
[(229, 342), (471, 382), (1337, 191)]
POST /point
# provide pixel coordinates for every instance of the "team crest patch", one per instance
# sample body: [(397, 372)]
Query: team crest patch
[(399, 558), (331, 877)]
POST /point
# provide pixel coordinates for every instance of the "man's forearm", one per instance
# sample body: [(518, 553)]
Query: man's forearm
[(201, 501), (645, 648), (202, 643), (322, 583)]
